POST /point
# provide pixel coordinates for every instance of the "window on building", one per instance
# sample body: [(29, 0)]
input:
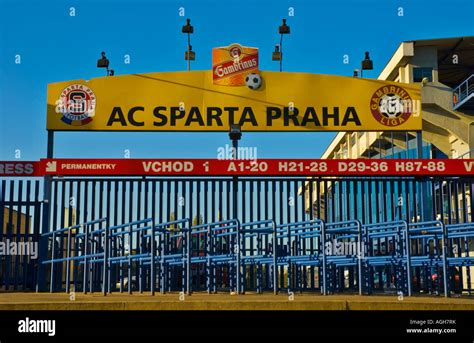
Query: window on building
[(353, 139), (420, 73)]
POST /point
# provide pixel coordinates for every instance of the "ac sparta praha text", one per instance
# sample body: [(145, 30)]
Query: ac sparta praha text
[(224, 116)]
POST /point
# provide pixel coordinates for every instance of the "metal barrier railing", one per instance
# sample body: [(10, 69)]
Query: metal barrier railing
[(463, 91), (175, 255)]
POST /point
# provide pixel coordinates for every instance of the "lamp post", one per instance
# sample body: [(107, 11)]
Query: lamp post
[(366, 64), (235, 134), (103, 62), (189, 54), (277, 55)]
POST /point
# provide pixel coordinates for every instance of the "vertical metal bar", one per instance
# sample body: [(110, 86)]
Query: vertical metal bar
[(445, 261), (228, 199), (456, 200), (188, 237), (369, 202), (334, 201), (288, 244), (153, 251), (71, 208), (76, 241), (239, 288), (198, 222), (107, 238), (471, 193), (130, 236), (464, 202), (324, 262), (162, 237), (26, 260), (153, 239), (3, 184), (340, 200), (359, 259), (123, 221), (434, 199), (235, 191), (68, 262), (62, 212), (326, 203), (219, 200), (139, 236), (188, 262), (18, 233), (43, 246), (414, 201), (243, 217), (85, 268), (296, 268), (280, 210), (36, 231), (408, 257), (251, 219), (407, 200), (275, 257), (146, 247), (105, 271), (450, 200), (274, 246), (9, 233), (392, 200), (267, 217)]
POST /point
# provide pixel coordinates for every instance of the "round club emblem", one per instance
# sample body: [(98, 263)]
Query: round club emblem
[(391, 105), (77, 105)]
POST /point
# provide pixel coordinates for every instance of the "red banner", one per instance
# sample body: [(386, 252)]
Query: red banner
[(260, 167)]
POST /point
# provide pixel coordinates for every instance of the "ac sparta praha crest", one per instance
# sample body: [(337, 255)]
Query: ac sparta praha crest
[(391, 105), (77, 105)]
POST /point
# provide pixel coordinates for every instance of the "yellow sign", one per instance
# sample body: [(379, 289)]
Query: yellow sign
[(190, 101)]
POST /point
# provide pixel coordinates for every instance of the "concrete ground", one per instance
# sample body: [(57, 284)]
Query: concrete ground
[(225, 301)]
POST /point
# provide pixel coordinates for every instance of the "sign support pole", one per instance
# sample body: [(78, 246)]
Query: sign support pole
[(235, 134), (43, 241)]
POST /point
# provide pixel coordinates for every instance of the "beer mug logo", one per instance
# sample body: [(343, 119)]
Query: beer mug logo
[(391, 105), (231, 64), (77, 105), (235, 52)]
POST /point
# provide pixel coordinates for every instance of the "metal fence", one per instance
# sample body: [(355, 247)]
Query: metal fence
[(20, 216), (205, 200)]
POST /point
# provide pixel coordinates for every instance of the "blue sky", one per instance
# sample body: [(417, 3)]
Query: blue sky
[(55, 46)]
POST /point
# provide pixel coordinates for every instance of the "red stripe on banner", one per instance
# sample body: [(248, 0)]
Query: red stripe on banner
[(260, 167)]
